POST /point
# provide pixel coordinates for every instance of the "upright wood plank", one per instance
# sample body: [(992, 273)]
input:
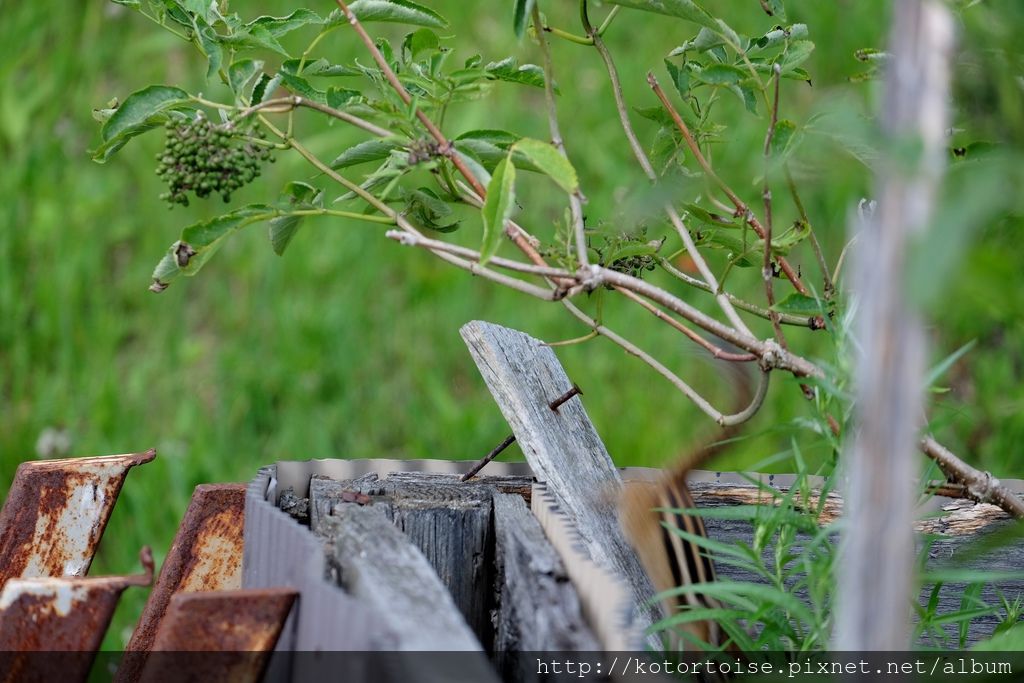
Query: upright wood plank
[(377, 564), (563, 449), (539, 608), (450, 522)]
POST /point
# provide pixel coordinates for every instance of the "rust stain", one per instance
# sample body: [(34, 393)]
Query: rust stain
[(236, 630), (56, 511), (206, 556), (58, 615)]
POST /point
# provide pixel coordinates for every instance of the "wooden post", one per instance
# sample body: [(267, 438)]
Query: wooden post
[(563, 450), (877, 565)]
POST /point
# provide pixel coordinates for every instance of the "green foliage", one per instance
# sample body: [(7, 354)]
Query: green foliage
[(234, 362), (501, 193)]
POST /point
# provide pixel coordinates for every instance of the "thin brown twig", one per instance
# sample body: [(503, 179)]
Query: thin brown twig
[(702, 403), (284, 104), (815, 245), (741, 207), (811, 322), (979, 486), (715, 351)]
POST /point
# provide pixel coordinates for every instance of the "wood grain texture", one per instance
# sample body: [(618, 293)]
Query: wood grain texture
[(562, 448), (538, 607), (450, 522), (378, 565)]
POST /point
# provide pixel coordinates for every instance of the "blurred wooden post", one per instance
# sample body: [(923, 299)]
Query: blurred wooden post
[(877, 566)]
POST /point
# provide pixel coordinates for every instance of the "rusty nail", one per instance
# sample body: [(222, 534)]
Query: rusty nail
[(56, 511), (489, 457), (206, 556), (565, 397)]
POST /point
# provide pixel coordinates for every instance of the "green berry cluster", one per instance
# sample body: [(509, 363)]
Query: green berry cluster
[(206, 158), (634, 265)]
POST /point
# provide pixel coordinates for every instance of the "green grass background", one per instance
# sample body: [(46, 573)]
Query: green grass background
[(348, 346)]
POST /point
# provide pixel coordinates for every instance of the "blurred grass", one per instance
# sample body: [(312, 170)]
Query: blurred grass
[(348, 346)]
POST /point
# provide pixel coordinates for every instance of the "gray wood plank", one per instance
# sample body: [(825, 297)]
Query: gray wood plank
[(562, 448), (377, 564), (449, 521), (538, 609)]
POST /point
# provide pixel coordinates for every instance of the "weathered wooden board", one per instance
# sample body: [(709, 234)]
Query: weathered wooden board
[(563, 450), (539, 608), (449, 521), (377, 564)]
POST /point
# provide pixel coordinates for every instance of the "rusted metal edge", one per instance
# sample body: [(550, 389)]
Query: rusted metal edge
[(604, 598), (56, 511), (68, 615), (235, 630), (206, 556)]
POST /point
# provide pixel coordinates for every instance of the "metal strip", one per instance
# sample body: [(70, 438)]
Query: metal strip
[(206, 556), (59, 615), (56, 511)]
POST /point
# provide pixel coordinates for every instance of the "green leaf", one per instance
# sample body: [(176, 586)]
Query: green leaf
[(684, 9), (521, 16), (210, 44), (255, 37), (143, 110), (497, 207), (319, 67), (775, 8), (296, 195), (705, 216), (200, 241), (550, 161), (428, 210), (339, 97), (702, 42), (680, 78), (784, 133), (369, 150), (721, 74), (779, 35), (300, 86), (399, 11), (265, 87), (279, 26), (796, 54), (420, 41), (799, 304), (241, 73), (506, 70)]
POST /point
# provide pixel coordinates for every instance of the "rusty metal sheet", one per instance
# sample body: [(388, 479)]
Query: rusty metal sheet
[(206, 556), (56, 511), (59, 615), (218, 636)]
